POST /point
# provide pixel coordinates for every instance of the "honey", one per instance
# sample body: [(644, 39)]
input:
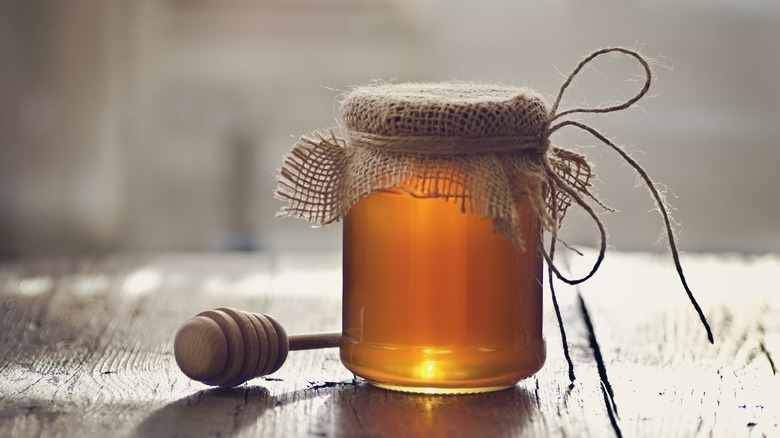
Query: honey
[(434, 300)]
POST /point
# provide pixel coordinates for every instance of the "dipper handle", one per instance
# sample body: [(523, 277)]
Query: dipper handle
[(226, 347), (314, 341)]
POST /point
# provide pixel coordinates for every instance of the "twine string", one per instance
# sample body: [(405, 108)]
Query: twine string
[(446, 146), (575, 195), (554, 114)]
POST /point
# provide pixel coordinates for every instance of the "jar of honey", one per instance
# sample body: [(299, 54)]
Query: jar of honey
[(444, 190), (434, 300), (441, 189)]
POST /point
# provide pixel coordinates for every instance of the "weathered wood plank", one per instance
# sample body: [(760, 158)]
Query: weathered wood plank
[(668, 380), (86, 349)]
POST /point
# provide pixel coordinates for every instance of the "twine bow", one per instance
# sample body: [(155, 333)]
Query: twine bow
[(575, 188)]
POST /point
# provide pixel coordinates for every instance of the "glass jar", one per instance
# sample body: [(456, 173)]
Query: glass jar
[(434, 300)]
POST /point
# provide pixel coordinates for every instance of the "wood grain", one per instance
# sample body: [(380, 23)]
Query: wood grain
[(86, 350)]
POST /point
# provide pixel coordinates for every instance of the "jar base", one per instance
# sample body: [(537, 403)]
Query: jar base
[(475, 370), (439, 391)]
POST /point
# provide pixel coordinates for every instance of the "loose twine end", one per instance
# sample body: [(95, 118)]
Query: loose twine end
[(578, 195)]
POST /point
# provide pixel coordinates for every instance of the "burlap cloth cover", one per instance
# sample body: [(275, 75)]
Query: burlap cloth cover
[(487, 147), (480, 145)]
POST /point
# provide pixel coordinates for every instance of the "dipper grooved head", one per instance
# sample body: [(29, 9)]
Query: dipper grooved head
[(226, 347)]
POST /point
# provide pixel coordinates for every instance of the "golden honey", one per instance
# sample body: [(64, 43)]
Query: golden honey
[(434, 300)]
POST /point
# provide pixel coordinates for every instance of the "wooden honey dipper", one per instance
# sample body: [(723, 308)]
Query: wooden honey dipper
[(226, 347)]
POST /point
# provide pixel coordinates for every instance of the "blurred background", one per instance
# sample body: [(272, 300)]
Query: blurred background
[(159, 124)]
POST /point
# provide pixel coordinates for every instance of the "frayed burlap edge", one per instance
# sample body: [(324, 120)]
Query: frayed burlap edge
[(322, 179)]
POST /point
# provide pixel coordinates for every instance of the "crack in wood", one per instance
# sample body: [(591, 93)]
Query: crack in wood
[(612, 413), (316, 386), (764, 350), (606, 386), (768, 357), (26, 387)]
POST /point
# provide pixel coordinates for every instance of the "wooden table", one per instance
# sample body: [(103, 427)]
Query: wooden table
[(86, 350)]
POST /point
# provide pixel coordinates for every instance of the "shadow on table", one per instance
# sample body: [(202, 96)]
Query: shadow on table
[(363, 410), (210, 412), (349, 409)]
